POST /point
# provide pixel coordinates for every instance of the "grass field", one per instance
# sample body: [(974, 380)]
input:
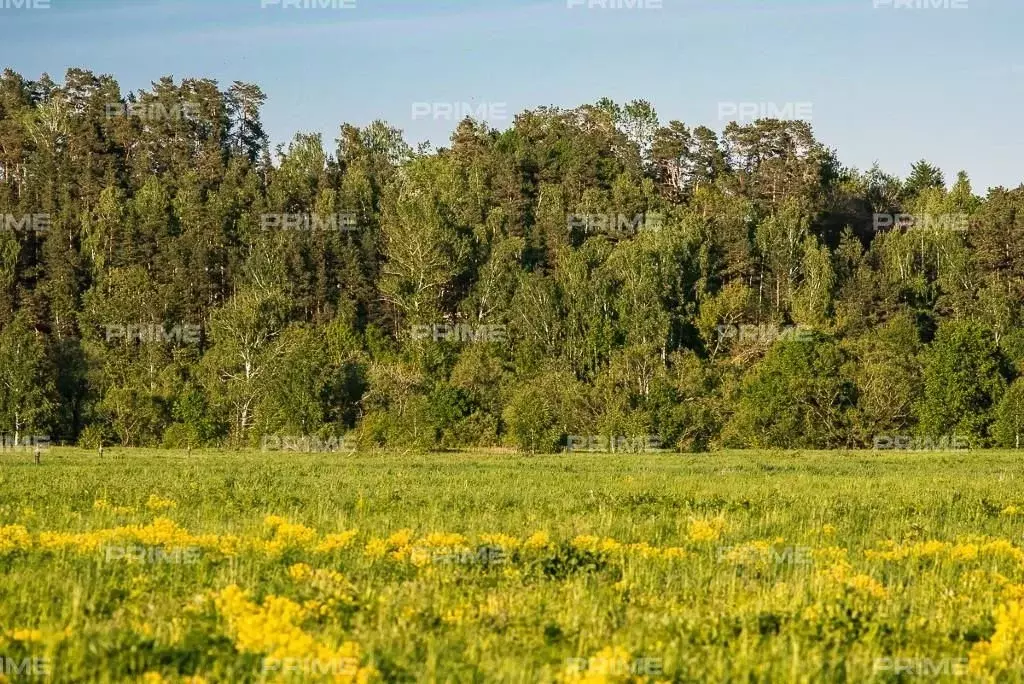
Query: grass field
[(225, 567)]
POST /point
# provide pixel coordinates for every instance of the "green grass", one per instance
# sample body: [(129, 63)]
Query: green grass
[(700, 618)]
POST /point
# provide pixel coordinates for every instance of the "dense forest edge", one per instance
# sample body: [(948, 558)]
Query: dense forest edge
[(587, 276)]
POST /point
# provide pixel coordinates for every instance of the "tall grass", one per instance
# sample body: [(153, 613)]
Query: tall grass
[(749, 566)]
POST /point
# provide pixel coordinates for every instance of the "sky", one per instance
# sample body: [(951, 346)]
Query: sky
[(942, 81)]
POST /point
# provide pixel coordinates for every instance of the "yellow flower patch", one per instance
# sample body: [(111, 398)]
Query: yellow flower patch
[(1005, 650), (158, 503), (706, 530), (336, 542), (273, 628), (13, 538)]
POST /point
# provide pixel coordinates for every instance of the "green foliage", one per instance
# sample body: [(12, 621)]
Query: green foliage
[(796, 398), (26, 382), (531, 420), (617, 256), (777, 567), (964, 379), (1008, 430), (886, 371)]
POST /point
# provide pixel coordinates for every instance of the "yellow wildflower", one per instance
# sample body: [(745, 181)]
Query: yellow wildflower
[(397, 545), (593, 543), (432, 540), (399, 538), (673, 553), (645, 550), (14, 537), (705, 530), (538, 540), (1002, 652), (156, 503), (300, 572), (504, 541), (335, 542), (293, 534), (273, 521), (586, 542), (376, 548), (964, 552), (272, 628), (829, 555), (26, 635), (866, 584), (105, 506)]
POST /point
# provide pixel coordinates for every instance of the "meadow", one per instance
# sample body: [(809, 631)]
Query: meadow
[(161, 566)]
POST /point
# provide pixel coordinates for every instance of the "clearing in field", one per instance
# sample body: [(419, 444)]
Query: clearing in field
[(220, 567)]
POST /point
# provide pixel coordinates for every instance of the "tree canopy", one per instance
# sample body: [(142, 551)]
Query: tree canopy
[(168, 279)]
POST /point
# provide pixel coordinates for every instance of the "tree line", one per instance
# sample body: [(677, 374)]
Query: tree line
[(168, 279)]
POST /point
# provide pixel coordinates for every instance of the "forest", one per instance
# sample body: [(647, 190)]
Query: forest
[(169, 279)]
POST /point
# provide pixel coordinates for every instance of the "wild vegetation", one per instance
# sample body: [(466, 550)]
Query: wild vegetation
[(155, 566), (167, 279)]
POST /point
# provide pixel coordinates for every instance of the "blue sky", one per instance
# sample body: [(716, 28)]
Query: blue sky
[(884, 84)]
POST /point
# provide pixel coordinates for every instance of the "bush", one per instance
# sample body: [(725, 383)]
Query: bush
[(531, 423), (1008, 429)]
